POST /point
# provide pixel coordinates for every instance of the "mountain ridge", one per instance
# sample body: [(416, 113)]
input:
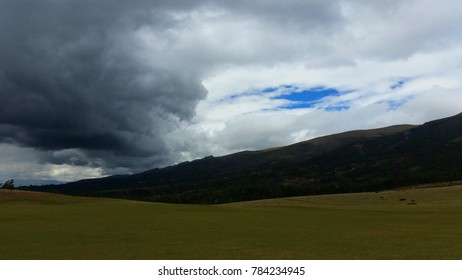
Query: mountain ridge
[(352, 161)]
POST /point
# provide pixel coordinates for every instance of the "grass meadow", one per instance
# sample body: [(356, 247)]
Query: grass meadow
[(419, 223)]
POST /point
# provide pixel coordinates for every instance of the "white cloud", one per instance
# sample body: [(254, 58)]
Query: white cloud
[(25, 164), (66, 172), (430, 73), (361, 48)]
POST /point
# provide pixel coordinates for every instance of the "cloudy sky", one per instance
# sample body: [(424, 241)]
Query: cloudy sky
[(91, 88)]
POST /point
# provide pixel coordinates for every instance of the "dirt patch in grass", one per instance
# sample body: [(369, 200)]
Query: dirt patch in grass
[(19, 195)]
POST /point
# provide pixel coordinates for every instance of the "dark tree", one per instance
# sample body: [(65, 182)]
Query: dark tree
[(8, 185)]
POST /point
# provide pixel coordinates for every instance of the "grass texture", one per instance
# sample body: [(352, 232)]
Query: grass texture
[(418, 223)]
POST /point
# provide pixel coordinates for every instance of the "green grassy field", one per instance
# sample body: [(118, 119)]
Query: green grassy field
[(407, 224)]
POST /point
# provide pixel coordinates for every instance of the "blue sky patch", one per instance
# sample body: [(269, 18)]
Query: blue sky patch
[(305, 98), (295, 97), (337, 108), (395, 104), (399, 84), (261, 92)]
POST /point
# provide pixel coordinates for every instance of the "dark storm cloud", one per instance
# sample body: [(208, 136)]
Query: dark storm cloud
[(307, 15), (101, 83), (73, 76)]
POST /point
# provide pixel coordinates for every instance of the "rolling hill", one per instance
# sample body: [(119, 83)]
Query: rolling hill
[(355, 161)]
